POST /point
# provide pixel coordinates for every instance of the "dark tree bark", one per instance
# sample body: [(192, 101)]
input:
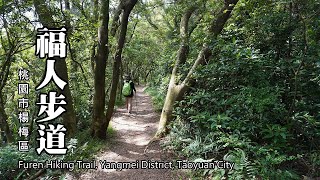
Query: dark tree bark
[(3, 116), (69, 117), (127, 8), (99, 125), (115, 20), (95, 21), (10, 49), (3, 123)]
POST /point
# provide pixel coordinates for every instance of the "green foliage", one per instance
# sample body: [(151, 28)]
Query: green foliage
[(81, 147), (9, 157), (120, 101), (84, 147), (158, 96), (252, 104), (255, 103)]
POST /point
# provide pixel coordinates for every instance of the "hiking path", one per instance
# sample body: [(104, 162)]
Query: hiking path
[(133, 133)]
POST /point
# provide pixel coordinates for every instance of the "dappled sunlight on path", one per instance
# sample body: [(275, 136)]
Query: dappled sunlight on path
[(133, 133)]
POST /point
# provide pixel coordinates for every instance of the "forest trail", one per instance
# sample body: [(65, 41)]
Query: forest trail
[(133, 133)]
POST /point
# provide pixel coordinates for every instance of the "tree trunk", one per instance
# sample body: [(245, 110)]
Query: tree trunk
[(167, 108), (69, 117), (117, 58), (176, 91), (173, 89), (4, 73), (3, 122), (99, 125), (121, 80)]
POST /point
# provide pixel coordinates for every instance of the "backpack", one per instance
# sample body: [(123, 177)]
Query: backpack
[(126, 90)]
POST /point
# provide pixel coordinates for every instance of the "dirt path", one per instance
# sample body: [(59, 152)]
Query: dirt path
[(133, 133)]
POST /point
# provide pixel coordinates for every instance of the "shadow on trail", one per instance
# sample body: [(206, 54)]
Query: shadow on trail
[(133, 133)]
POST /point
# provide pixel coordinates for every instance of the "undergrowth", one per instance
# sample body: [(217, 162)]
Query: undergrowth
[(241, 111), (157, 97), (81, 147)]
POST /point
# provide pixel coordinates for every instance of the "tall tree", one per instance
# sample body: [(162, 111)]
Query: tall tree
[(127, 8), (13, 42), (46, 19), (4, 73), (98, 127), (176, 90), (101, 121)]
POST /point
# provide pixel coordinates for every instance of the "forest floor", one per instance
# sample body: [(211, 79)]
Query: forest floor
[(133, 133)]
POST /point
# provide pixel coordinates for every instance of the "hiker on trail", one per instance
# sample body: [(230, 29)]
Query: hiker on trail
[(127, 91)]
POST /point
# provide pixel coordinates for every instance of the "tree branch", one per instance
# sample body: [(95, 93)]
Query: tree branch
[(115, 21), (134, 28), (203, 55), (184, 36), (148, 18), (215, 29), (72, 58), (223, 16)]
